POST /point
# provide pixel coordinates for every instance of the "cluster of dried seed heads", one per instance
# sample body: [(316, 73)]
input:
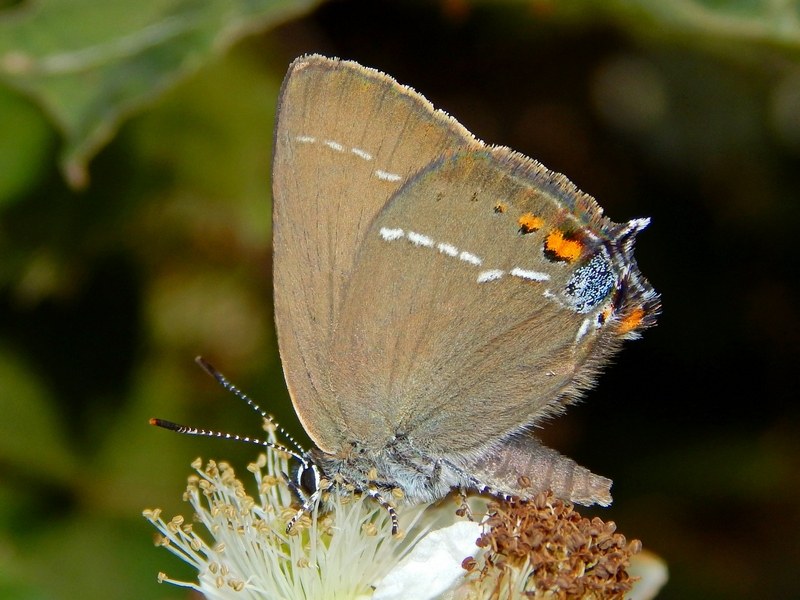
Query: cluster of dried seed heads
[(543, 548)]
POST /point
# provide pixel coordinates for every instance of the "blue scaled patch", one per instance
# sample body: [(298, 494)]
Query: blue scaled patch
[(590, 284)]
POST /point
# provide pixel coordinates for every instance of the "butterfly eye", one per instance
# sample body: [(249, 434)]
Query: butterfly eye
[(308, 479)]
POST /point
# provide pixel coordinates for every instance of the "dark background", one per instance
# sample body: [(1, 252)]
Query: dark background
[(107, 292)]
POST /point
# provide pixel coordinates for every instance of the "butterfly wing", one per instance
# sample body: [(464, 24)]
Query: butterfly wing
[(474, 309), (346, 139)]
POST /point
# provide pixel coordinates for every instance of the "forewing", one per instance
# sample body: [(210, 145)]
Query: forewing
[(346, 139)]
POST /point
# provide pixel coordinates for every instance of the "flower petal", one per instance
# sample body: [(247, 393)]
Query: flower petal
[(433, 566)]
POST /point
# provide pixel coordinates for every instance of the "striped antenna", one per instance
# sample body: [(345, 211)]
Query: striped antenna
[(186, 430), (228, 386)]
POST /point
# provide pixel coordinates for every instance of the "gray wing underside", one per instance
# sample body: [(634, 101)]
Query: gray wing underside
[(347, 138), (428, 344)]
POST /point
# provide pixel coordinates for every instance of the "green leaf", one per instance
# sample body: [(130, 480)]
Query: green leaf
[(742, 20), (24, 146), (90, 64)]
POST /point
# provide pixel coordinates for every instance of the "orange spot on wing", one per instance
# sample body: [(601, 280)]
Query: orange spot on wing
[(528, 223), (562, 248), (632, 321)]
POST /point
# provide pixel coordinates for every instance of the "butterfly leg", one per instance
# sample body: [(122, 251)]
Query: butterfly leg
[(306, 508), (376, 495), (485, 489)]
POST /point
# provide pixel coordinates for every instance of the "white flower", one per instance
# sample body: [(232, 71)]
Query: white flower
[(242, 549)]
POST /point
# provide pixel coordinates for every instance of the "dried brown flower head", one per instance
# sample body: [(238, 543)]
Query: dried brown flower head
[(543, 548)]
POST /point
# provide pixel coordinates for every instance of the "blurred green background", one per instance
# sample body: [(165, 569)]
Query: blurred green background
[(135, 143)]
